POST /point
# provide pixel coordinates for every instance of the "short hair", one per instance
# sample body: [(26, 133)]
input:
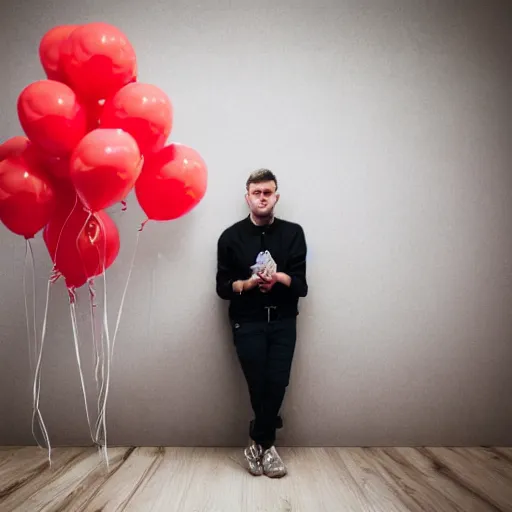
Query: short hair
[(260, 176)]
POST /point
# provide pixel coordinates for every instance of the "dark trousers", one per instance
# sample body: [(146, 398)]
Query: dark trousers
[(265, 351)]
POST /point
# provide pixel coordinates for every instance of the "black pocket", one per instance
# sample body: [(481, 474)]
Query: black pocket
[(245, 330)]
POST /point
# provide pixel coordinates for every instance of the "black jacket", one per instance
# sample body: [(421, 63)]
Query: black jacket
[(237, 249)]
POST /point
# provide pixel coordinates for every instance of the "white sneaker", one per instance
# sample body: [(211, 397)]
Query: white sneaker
[(253, 454), (273, 465)]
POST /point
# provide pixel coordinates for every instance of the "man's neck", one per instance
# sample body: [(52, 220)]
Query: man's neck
[(262, 221)]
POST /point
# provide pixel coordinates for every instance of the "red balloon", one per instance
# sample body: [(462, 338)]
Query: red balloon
[(98, 60), (27, 198), (94, 111), (81, 245), (13, 147), (55, 166), (50, 51), (173, 181), (52, 165), (104, 167), (51, 116), (142, 110), (66, 196)]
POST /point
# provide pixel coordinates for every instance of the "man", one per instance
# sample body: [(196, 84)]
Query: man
[(263, 309)]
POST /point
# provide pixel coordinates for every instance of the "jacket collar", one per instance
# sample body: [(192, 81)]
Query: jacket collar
[(253, 228)]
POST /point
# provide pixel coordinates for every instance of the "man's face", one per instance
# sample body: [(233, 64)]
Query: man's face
[(261, 198)]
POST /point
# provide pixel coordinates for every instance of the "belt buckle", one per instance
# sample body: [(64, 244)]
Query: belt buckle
[(269, 308)]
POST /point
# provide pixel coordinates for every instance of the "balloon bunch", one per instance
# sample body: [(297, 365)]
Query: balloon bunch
[(93, 133)]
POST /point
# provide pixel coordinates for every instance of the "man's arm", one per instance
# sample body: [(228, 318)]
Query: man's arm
[(295, 276), (225, 277), (226, 283)]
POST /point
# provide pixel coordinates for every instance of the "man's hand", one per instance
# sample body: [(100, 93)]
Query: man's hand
[(267, 282), (244, 286)]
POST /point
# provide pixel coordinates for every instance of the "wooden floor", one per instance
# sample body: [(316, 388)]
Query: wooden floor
[(200, 479)]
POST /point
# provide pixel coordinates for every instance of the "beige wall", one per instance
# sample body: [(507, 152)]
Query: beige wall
[(388, 124)]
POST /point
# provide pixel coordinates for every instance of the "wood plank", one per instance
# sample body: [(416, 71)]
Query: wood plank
[(504, 453), (16, 461), (168, 482), (445, 481), (490, 486), (28, 470), (300, 489), (416, 493), (218, 465), (327, 493), (7, 452), (490, 460), (118, 488), (83, 473), (378, 492)]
